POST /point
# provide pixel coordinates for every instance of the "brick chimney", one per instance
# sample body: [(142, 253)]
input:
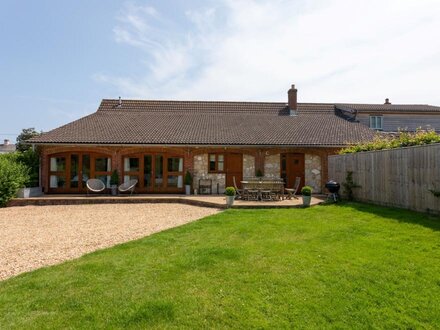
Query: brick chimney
[(6, 142), (292, 94), (387, 101)]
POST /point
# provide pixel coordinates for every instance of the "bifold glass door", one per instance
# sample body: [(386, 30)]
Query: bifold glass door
[(69, 172), (155, 172)]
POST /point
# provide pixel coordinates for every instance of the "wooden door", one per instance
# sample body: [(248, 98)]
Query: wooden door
[(234, 167), (293, 166)]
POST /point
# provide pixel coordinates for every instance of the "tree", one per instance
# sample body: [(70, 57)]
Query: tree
[(25, 134)]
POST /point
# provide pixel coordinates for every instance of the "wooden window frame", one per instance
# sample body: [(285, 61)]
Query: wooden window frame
[(216, 162)]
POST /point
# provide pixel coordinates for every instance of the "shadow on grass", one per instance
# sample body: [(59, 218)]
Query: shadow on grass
[(401, 215)]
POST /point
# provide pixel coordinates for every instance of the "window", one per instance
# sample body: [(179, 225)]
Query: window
[(216, 163), (376, 122)]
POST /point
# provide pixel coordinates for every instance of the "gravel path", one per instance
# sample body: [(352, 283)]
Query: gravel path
[(35, 236)]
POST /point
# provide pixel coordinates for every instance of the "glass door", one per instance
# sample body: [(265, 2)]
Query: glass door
[(68, 173), (158, 172), (75, 173), (155, 172), (57, 172)]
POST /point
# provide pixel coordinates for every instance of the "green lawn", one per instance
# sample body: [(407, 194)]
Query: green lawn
[(337, 266)]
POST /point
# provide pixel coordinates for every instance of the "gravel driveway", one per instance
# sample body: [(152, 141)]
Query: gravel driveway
[(35, 236)]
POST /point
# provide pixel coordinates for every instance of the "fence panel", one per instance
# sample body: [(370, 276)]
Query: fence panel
[(397, 177)]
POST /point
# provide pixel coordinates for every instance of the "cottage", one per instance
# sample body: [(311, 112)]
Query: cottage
[(156, 142)]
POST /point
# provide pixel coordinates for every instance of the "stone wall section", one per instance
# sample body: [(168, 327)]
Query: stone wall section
[(201, 172), (272, 166), (248, 166), (313, 171)]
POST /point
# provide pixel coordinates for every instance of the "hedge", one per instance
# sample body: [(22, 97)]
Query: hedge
[(13, 175), (402, 139)]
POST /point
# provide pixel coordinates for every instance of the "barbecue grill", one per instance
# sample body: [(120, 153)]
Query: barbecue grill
[(333, 188)]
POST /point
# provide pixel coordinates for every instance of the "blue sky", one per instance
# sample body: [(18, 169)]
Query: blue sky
[(58, 59)]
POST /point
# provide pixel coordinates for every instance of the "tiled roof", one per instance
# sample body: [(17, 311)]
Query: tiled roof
[(209, 123), (390, 107)]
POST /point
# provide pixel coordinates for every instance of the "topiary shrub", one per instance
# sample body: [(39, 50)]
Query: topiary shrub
[(230, 191), (13, 176), (188, 179), (306, 191), (114, 179)]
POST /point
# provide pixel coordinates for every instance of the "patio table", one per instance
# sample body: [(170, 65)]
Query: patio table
[(260, 188)]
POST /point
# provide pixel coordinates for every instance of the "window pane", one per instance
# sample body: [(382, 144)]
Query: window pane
[(158, 173), (131, 177), (379, 122), (148, 163), (220, 162), (57, 181), (212, 162), (283, 163), (74, 164), (57, 164), (103, 164), (85, 169), (175, 164), (175, 181), (105, 179), (131, 164)]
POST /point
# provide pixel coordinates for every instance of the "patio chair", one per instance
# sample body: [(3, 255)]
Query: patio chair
[(239, 192), (266, 190), (251, 192), (205, 185), (128, 186), (95, 186), (292, 191)]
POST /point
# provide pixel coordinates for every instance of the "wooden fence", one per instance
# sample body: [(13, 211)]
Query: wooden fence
[(398, 177)]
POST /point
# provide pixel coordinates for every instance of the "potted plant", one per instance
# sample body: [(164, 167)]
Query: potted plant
[(31, 160), (230, 196), (306, 192), (188, 182), (114, 181)]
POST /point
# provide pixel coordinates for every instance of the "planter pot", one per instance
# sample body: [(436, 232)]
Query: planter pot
[(306, 200), (229, 200), (29, 192), (187, 189), (114, 190)]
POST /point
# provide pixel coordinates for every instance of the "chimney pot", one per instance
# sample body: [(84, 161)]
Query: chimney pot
[(292, 96), (6, 142), (387, 101)]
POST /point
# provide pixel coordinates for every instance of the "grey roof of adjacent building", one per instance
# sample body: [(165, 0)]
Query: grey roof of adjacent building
[(5, 148), (150, 122), (389, 108)]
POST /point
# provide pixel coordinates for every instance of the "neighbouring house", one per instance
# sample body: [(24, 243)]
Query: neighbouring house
[(389, 117), (7, 147), (156, 142)]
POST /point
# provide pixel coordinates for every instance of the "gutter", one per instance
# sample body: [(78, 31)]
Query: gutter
[(195, 145)]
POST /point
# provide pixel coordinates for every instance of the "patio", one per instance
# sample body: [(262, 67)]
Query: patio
[(215, 201)]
